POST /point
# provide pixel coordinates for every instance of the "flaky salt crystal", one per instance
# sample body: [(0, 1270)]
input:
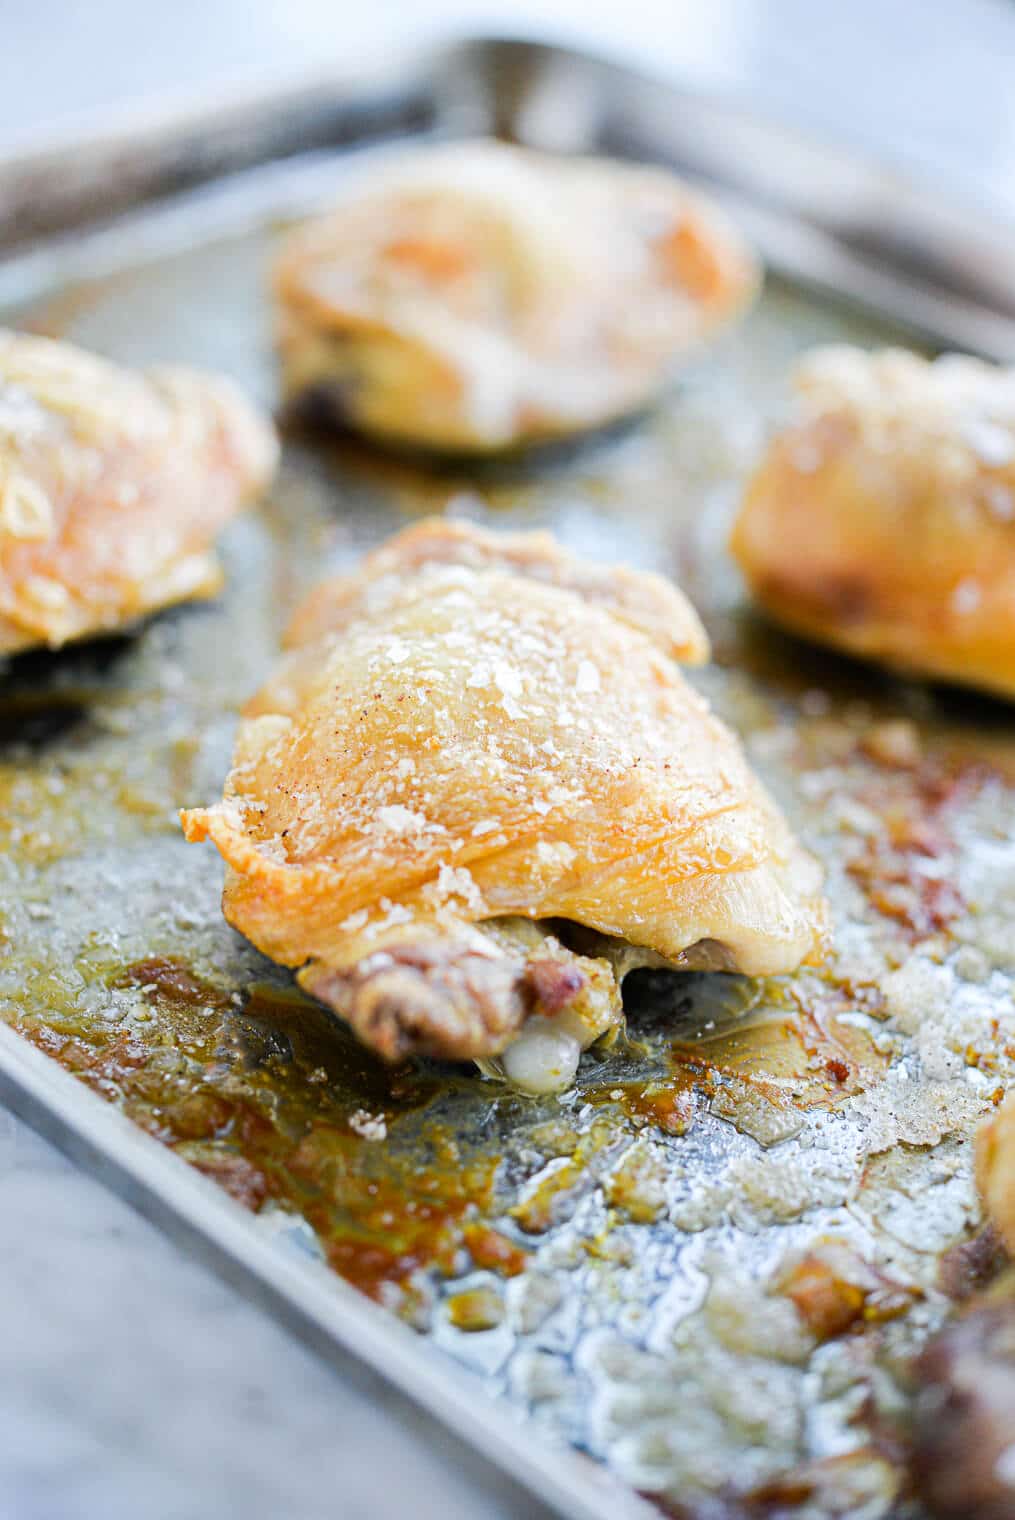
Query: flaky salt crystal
[(399, 819), (507, 678), (587, 679)]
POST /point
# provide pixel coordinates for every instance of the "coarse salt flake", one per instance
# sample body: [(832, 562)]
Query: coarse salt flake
[(587, 679), (559, 854), (368, 1126), (456, 881), (398, 819), (507, 678)]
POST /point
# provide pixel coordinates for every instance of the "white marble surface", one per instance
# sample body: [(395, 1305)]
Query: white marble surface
[(132, 1382)]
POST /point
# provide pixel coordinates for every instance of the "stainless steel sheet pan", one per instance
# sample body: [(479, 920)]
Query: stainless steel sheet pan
[(607, 1276)]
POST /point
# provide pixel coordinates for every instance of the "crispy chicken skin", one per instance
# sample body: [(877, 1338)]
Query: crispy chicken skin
[(468, 738), (638, 597), (475, 297), (882, 519), (113, 486)]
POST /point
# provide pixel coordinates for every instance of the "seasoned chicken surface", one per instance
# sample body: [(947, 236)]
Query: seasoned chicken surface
[(113, 486), (474, 743), (882, 519), (475, 296)]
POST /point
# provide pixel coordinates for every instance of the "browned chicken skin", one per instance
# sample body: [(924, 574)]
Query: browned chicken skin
[(113, 486), (882, 519), (475, 297), (471, 740)]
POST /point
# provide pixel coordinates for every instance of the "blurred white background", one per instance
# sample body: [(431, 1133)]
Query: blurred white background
[(931, 80)]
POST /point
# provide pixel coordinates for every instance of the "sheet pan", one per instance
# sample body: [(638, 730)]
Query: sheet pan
[(591, 1292)]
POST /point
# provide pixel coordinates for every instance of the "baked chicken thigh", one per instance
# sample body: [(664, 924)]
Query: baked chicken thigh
[(475, 297), (477, 790), (113, 486), (882, 519)]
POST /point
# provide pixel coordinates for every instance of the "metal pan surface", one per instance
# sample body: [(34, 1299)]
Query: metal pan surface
[(625, 1271)]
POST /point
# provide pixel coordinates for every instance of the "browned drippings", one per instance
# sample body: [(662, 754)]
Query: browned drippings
[(338, 1063), (407, 1237), (866, 1480), (107, 1066), (169, 979), (476, 1309), (378, 1225), (791, 1053), (834, 1289), (492, 1250), (777, 1062), (667, 1105), (551, 1200), (802, 1053), (917, 804), (553, 1193), (274, 1101)]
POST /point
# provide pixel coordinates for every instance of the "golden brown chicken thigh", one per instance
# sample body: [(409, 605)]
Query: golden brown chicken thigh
[(882, 519), (113, 486), (472, 743), (475, 297)]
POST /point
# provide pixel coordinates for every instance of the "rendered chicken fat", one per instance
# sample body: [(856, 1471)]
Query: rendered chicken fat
[(113, 486), (543, 1057), (425, 805), (882, 519), (477, 296)]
